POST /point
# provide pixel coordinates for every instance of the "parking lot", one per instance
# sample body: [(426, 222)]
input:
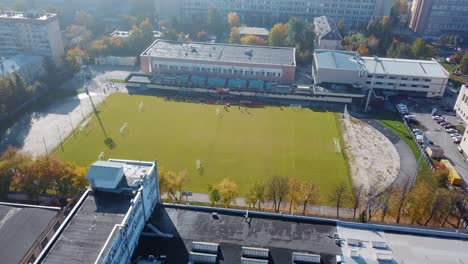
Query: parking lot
[(438, 135)]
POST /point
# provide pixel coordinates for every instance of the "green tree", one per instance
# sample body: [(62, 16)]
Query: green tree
[(341, 26), (295, 30), (278, 35), (215, 22), (400, 50), (234, 36), (170, 34), (421, 50), (256, 195), (213, 195), (464, 64)]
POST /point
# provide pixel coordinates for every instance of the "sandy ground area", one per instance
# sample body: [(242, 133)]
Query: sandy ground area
[(372, 157)]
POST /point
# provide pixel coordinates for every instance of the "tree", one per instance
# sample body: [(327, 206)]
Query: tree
[(295, 29), (256, 195), (278, 35), (421, 50), (293, 197), (357, 197), (170, 34), (173, 184), (436, 203), (308, 194), (87, 20), (253, 40), (464, 64), (11, 162), (277, 189), (341, 26), (372, 200), (418, 205), (146, 29), (400, 50), (384, 201), (215, 23), (337, 196), (233, 19), (363, 50), (461, 199), (234, 36), (213, 194), (399, 199), (228, 191)]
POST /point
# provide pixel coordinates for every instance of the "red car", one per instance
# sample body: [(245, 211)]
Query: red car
[(449, 126), (440, 121)]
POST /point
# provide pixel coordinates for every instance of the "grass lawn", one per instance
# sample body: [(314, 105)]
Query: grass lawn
[(393, 122), (458, 80), (247, 147)]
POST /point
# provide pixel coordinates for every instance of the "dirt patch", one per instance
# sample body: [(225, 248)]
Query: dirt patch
[(373, 159)]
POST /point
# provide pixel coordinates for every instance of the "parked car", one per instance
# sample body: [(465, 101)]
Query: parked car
[(444, 123), (438, 117), (440, 121), (456, 140), (449, 126), (417, 131), (456, 135), (451, 130)]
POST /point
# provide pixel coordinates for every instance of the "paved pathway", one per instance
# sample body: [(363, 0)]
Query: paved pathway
[(317, 210), (408, 163)]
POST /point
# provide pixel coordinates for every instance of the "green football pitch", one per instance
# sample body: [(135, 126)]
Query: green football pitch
[(246, 145)]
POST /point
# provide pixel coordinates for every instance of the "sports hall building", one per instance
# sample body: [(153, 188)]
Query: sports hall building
[(244, 62), (388, 76)]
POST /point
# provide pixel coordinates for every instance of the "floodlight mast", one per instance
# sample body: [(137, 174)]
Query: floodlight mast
[(371, 89)]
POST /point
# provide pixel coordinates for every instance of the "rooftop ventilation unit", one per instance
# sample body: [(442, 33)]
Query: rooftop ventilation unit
[(379, 244), (253, 261), (204, 247), (193, 49), (354, 242), (354, 253), (202, 258), (382, 257), (259, 253), (305, 258)]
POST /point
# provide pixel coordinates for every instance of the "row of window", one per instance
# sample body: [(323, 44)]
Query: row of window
[(400, 85), (218, 70), (399, 78)]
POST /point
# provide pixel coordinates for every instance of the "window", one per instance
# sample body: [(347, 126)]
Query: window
[(44, 242), (416, 79), (404, 78), (380, 76), (425, 86), (414, 85), (402, 84), (427, 80), (392, 78), (378, 83), (368, 82)]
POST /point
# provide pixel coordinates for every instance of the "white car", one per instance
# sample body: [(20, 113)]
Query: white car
[(418, 131), (455, 135), (438, 117), (451, 130)]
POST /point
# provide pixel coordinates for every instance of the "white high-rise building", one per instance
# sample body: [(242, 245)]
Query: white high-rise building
[(32, 33)]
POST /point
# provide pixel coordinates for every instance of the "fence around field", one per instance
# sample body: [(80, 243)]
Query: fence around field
[(422, 152)]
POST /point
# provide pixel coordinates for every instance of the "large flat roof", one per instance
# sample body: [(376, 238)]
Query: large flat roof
[(350, 60), (390, 66), (403, 248), (281, 236), (28, 16), (86, 234), (20, 226), (219, 52), (337, 59)]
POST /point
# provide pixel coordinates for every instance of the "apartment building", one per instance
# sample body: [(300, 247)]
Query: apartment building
[(425, 78), (461, 106), (265, 13), (33, 33), (433, 18)]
